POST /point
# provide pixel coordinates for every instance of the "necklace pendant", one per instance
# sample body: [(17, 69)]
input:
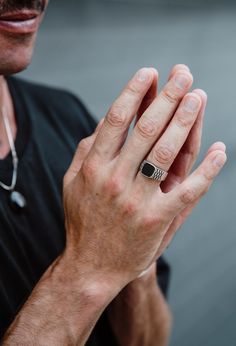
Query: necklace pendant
[(17, 201)]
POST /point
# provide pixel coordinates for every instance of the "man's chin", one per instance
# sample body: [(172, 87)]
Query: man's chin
[(15, 60), (13, 68), (16, 53)]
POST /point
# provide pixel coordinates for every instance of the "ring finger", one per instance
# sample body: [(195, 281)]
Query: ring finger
[(168, 146), (153, 122)]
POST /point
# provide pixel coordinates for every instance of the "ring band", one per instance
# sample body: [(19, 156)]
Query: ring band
[(149, 170)]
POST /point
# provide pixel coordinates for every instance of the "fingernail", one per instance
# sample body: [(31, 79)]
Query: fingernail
[(191, 104), (181, 81), (219, 160), (143, 75), (183, 67)]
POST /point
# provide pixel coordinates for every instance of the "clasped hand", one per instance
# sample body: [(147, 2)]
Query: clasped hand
[(118, 222)]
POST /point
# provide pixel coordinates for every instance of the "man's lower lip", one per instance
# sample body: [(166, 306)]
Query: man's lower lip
[(26, 26)]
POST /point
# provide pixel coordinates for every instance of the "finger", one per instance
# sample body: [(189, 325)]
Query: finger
[(186, 158), (167, 148), (85, 146), (180, 219), (175, 225), (81, 153), (153, 91), (198, 183), (118, 119), (193, 142), (217, 146), (153, 122), (149, 97), (177, 68), (99, 126)]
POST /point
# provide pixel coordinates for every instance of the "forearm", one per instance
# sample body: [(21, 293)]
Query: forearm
[(139, 315), (60, 311)]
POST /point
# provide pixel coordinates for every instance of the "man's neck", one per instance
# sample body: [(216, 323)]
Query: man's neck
[(6, 101)]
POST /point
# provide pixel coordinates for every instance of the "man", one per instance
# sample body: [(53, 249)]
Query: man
[(123, 199)]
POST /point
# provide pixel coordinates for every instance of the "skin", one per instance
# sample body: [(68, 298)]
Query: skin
[(118, 212), (15, 56)]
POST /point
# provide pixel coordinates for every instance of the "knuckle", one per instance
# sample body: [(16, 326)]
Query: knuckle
[(169, 96), (130, 207), (151, 220), (163, 154), (184, 120), (209, 175), (146, 128), (117, 115), (114, 186), (188, 195), (89, 170), (83, 144), (132, 89)]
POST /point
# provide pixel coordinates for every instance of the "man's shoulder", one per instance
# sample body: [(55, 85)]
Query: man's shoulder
[(47, 94), (54, 102), (33, 86)]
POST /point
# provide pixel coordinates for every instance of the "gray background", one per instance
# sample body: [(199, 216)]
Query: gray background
[(93, 48)]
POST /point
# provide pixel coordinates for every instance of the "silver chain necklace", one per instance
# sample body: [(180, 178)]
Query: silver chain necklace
[(16, 199)]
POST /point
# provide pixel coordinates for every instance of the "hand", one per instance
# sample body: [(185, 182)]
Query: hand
[(184, 161), (182, 164), (116, 219)]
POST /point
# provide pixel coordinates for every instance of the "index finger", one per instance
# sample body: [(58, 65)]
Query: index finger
[(119, 117)]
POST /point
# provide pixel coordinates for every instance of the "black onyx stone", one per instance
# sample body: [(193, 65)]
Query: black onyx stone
[(148, 169), (17, 201)]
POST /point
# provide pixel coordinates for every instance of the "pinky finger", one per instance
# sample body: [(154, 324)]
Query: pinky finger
[(198, 183), (149, 97)]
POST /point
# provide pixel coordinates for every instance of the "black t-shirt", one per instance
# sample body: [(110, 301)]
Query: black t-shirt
[(50, 124)]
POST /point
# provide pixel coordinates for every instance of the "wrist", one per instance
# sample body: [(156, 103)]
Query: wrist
[(75, 296), (135, 294), (97, 288), (147, 278), (64, 306)]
